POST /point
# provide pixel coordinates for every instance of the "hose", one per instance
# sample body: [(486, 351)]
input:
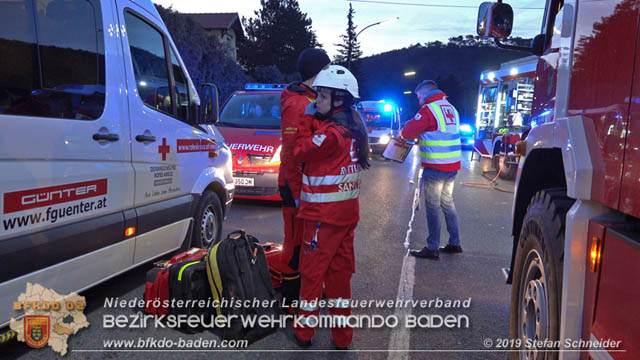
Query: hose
[(491, 184)]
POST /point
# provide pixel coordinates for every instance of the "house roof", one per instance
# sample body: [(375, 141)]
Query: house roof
[(224, 21)]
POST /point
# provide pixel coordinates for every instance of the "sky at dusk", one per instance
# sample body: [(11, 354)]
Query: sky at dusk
[(417, 24)]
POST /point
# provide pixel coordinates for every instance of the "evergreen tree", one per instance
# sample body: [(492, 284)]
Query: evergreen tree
[(276, 36), (350, 47), (203, 55)]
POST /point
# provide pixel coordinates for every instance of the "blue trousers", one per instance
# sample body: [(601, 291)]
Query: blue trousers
[(438, 194)]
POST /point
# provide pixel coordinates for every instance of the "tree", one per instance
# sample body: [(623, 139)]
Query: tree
[(350, 47), (268, 74), (202, 54), (276, 36)]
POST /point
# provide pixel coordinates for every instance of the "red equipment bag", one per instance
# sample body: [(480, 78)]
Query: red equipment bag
[(193, 254), (272, 251), (156, 292)]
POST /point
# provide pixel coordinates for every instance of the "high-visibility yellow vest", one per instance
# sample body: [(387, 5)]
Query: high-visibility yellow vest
[(442, 146)]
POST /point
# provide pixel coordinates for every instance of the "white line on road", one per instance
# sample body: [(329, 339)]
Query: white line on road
[(400, 335)]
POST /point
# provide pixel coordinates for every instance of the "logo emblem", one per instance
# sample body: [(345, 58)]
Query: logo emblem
[(449, 114), (318, 139), (36, 330), (239, 159), (164, 149)]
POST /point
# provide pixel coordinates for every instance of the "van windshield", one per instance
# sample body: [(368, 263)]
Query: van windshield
[(377, 119), (258, 111)]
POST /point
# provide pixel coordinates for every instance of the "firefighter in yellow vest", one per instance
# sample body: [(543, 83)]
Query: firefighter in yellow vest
[(437, 126)]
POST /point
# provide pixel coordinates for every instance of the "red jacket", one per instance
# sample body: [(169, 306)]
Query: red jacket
[(294, 100), (331, 178), (425, 121)]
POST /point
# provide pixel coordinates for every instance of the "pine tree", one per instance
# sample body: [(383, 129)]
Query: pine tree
[(350, 47), (276, 36)]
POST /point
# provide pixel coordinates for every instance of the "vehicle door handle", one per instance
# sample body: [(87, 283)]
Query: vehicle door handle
[(106, 137), (145, 138)]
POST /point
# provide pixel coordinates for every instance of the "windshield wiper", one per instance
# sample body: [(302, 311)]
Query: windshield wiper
[(229, 124), (272, 127)]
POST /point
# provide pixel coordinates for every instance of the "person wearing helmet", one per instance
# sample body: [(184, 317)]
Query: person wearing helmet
[(334, 155), (293, 122)]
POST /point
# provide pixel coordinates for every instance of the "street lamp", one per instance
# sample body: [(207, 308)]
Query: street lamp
[(407, 92), (386, 21), (409, 73)]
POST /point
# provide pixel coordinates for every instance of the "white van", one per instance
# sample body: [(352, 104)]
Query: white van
[(107, 159), (382, 119)]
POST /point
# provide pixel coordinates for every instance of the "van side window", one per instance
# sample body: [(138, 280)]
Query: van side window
[(149, 63), (52, 62), (182, 86)]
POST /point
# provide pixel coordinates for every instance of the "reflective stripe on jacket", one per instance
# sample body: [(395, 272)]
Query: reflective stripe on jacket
[(331, 177), (443, 145)]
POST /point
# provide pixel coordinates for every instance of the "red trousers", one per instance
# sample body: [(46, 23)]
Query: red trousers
[(331, 264), (289, 258)]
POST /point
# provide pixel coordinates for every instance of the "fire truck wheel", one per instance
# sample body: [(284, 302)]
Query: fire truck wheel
[(509, 170), (537, 278), (208, 221)]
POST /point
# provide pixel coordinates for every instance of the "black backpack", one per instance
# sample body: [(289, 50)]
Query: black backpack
[(237, 271), (188, 282)]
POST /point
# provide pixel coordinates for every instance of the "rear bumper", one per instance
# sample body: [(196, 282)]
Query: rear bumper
[(265, 186)]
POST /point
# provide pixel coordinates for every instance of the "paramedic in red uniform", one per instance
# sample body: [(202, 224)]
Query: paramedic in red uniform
[(334, 155), (294, 100), (437, 126)]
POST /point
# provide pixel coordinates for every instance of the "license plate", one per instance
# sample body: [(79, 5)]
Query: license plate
[(240, 181)]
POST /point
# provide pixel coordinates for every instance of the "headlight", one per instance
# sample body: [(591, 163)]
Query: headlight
[(466, 128), (276, 156), (384, 139)]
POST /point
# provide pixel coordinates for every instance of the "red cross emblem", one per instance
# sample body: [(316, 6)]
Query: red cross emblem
[(449, 114), (164, 149)]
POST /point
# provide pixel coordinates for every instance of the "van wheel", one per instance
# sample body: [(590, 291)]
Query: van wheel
[(208, 221), (537, 286)]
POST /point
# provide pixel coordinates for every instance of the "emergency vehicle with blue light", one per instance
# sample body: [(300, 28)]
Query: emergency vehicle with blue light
[(575, 269), (250, 124), (109, 158), (382, 119), (503, 114)]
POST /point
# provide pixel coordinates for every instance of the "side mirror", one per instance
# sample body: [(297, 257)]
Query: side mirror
[(495, 20), (209, 105), (537, 44)]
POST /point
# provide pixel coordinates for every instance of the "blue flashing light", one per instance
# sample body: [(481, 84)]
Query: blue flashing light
[(388, 108), (470, 141), (265, 86), (466, 128), (481, 76)]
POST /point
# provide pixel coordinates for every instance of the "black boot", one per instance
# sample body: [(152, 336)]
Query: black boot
[(425, 253)]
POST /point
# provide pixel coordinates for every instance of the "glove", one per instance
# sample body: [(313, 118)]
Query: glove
[(400, 141)]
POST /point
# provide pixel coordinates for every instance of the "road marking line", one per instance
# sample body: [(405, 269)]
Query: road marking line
[(401, 335)]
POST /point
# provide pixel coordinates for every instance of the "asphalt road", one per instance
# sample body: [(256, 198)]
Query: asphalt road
[(383, 272)]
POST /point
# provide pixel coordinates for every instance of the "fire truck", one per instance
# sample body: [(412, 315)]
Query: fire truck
[(575, 269), (504, 112)]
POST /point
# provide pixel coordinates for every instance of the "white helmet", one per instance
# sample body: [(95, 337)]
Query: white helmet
[(337, 77)]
